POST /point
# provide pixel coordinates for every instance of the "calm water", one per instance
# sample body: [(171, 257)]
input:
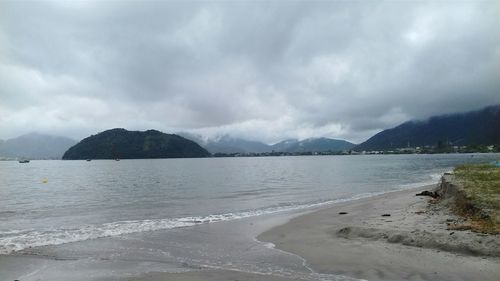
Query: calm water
[(47, 203)]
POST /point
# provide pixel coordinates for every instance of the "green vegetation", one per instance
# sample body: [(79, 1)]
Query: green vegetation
[(468, 132), (123, 144), (481, 184)]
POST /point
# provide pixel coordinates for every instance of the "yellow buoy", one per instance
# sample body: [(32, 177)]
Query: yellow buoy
[(45, 180)]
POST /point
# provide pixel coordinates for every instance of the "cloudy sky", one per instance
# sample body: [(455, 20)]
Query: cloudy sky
[(259, 70)]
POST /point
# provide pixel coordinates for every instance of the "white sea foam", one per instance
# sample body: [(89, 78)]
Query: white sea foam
[(16, 240), (432, 179)]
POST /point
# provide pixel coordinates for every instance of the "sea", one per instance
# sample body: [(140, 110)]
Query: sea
[(107, 219)]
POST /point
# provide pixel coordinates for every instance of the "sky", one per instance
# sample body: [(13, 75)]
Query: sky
[(259, 70)]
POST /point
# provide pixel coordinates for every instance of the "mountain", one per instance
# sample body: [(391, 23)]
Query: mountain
[(284, 145), (312, 145), (123, 144), (481, 127), (192, 137), (227, 144), (35, 146)]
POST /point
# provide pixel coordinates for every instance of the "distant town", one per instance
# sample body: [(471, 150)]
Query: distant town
[(428, 149)]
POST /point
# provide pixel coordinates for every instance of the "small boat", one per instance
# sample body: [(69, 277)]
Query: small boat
[(24, 161), (88, 160), (117, 159)]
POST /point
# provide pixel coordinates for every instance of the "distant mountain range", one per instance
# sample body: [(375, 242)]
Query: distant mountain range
[(481, 127), (312, 145), (35, 146), (123, 144), (120, 143), (227, 144)]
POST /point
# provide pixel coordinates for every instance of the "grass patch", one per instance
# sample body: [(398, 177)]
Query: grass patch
[(481, 185)]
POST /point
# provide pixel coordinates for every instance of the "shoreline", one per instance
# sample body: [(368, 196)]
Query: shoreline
[(410, 244), (365, 245), (361, 244)]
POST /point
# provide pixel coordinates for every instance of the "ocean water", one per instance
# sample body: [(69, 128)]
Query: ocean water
[(174, 214)]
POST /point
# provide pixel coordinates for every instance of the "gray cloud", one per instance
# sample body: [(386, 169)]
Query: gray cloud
[(264, 71)]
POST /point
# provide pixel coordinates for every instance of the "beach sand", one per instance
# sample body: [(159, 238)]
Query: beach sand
[(209, 275), (410, 244)]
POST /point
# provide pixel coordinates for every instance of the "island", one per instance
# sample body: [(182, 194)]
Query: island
[(123, 144)]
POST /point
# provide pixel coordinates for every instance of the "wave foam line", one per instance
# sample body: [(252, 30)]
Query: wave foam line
[(17, 240), (434, 178)]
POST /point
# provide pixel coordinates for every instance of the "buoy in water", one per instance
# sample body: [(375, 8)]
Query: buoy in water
[(45, 180)]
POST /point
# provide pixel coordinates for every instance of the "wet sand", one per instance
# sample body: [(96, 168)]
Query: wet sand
[(210, 275), (410, 244)]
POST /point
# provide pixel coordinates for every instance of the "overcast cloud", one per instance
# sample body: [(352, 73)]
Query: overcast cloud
[(257, 70)]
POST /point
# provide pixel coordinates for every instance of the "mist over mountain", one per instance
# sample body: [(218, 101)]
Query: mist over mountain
[(35, 146), (285, 145), (480, 127), (312, 145), (228, 144), (120, 143)]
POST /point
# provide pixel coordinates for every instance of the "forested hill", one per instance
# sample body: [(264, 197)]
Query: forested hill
[(123, 144), (481, 127)]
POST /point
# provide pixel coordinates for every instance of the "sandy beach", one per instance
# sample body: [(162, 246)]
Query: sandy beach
[(210, 275), (410, 244), (395, 236)]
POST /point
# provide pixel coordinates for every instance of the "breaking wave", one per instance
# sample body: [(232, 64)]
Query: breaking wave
[(16, 240)]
